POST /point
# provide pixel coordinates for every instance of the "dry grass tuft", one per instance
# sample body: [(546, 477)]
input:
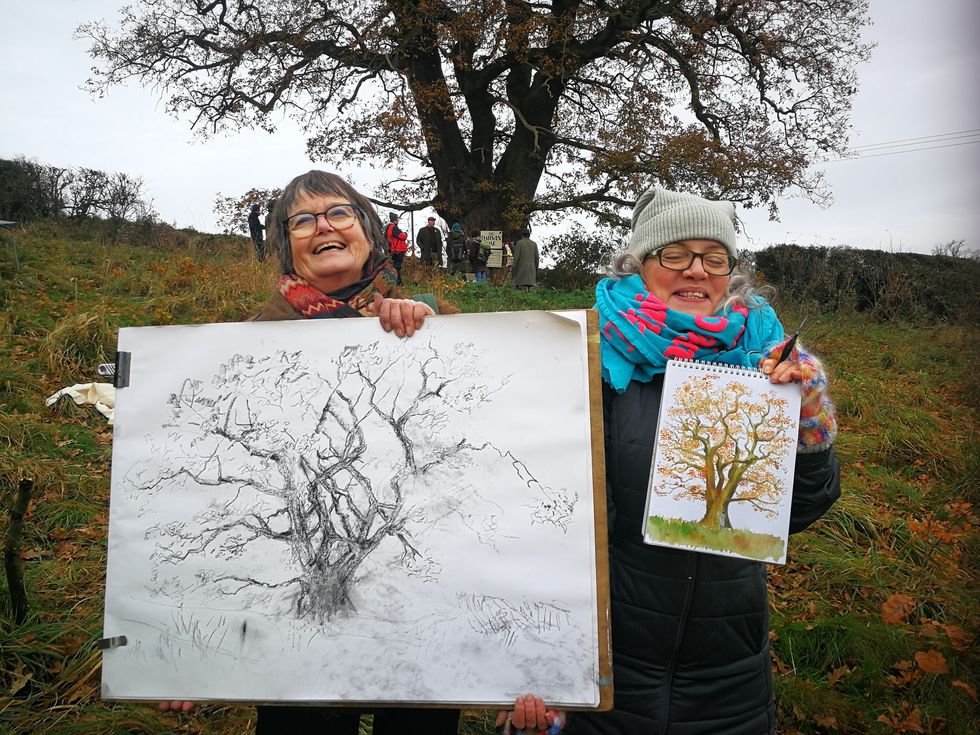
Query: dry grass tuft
[(79, 342)]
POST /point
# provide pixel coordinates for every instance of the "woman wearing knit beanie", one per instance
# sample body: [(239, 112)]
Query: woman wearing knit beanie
[(690, 631)]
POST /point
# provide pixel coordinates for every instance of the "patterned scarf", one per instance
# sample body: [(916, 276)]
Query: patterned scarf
[(354, 300), (639, 333)]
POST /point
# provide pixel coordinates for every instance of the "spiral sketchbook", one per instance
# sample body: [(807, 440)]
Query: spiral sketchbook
[(721, 480)]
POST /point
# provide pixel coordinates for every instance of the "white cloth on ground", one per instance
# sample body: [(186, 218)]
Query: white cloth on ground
[(100, 395)]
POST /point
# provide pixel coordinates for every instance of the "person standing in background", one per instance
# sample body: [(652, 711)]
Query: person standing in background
[(270, 228), (457, 252), (429, 240), (479, 255), (397, 242), (255, 232), (525, 271)]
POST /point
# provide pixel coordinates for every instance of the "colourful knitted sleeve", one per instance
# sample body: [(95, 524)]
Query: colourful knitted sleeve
[(818, 417)]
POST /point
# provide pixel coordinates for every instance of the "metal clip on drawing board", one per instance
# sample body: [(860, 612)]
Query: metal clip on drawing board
[(118, 370), (115, 641)]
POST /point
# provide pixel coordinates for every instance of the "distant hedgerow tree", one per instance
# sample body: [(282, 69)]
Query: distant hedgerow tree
[(232, 212), (578, 259)]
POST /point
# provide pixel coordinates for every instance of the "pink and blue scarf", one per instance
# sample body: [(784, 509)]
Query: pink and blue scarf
[(639, 333)]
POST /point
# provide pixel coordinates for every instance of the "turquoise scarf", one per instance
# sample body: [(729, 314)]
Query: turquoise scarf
[(639, 333)]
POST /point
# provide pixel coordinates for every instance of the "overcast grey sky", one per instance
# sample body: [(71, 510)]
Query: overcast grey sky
[(921, 88)]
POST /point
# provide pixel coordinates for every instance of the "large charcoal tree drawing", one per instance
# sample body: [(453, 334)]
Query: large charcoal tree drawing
[(373, 456)]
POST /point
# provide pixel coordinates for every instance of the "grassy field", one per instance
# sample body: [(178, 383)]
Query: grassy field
[(873, 616)]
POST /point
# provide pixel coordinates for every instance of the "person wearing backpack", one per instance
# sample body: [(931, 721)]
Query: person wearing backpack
[(397, 242), (457, 251), (479, 253)]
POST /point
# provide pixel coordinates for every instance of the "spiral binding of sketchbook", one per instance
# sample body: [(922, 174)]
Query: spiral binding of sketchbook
[(721, 367)]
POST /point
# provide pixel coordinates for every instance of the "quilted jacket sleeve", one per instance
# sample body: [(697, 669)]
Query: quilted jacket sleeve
[(815, 488)]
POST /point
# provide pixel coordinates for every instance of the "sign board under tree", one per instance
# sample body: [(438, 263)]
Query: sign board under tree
[(493, 239)]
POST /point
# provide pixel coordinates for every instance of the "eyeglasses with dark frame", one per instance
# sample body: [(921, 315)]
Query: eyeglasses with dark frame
[(339, 217), (677, 258)]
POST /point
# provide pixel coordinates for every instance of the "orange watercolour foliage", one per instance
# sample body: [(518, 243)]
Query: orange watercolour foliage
[(722, 446)]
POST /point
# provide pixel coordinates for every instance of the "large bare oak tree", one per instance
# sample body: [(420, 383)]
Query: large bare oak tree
[(491, 110)]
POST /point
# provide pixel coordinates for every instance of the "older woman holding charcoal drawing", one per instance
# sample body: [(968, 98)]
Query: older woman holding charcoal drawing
[(690, 630), (333, 266)]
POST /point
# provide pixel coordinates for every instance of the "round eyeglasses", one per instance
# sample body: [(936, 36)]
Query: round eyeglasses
[(676, 258), (339, 217)]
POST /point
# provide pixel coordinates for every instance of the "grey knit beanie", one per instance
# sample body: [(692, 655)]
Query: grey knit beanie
[(661, 217)]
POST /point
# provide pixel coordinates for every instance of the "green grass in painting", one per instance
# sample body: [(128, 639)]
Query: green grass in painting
[(739, 541)]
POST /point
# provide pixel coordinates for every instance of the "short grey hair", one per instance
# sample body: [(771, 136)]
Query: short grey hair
[(323, 183), (742, 287)]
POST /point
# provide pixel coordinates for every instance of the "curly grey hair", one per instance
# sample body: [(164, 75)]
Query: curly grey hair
[(742, 287)]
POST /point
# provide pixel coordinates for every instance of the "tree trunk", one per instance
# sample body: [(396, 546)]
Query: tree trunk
[(326, 593), (716, 514)]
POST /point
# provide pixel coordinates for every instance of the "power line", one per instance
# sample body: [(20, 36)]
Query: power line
[(895, 153), (954, 134), (886, 146)]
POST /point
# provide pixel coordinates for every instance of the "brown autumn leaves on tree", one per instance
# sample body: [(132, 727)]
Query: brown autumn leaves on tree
[(722, 446), (492, 110)]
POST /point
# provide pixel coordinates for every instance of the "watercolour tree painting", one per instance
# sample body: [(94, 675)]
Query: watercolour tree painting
[(724, 444), (353, 520)]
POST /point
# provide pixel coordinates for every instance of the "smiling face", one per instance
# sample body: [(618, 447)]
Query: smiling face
[(329, 259), (691, 291)]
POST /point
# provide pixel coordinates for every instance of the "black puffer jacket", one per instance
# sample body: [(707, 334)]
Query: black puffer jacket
[(690, 630)]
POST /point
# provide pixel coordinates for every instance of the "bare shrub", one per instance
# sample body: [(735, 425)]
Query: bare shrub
[(578, 260)]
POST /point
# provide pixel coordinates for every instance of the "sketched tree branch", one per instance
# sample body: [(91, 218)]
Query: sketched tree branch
[(721, 445), (322, 461)]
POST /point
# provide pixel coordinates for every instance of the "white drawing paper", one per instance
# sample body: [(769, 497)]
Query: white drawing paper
[(318, 511), (725, 452)]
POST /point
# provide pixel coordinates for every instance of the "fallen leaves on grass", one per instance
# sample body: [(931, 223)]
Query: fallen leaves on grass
[(897, 608), (20, 679), (932, 662), (828, 723), (959, 639), (907, 674), (966, 688), (907, 719)]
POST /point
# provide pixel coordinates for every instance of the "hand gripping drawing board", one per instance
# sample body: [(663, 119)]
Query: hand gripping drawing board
[(320, 512), (722, 475)]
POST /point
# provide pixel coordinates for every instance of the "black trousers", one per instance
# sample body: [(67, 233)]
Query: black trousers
[(344, 721), (397, 259)]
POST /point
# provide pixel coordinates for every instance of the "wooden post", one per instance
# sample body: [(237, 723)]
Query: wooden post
[(11, 551)]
